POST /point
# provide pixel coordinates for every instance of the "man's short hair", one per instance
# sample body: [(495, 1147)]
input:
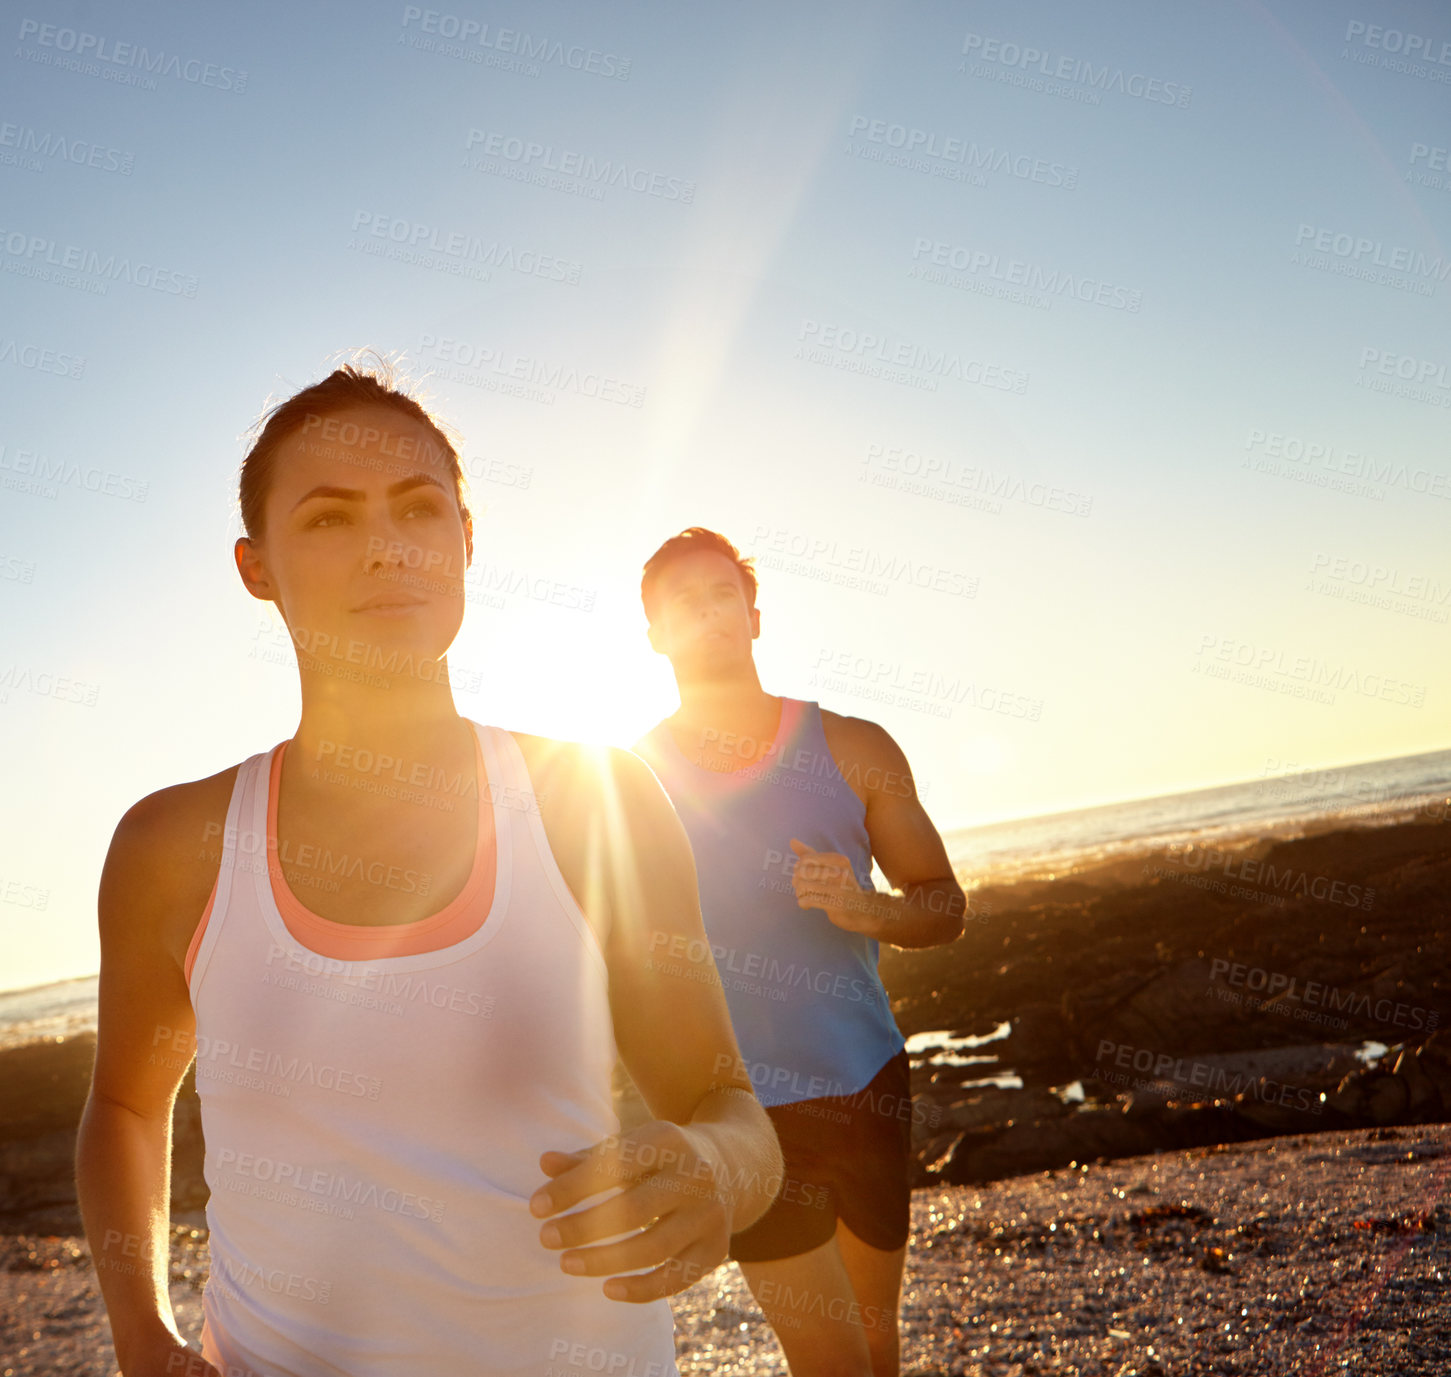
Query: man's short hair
[(693, 541)]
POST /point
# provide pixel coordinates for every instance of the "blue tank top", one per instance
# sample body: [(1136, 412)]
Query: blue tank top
[(807, 1004)]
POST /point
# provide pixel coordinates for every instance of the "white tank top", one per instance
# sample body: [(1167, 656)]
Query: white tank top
[(373, 1126)]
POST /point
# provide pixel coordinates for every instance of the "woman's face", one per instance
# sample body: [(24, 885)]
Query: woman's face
[(365, 547)]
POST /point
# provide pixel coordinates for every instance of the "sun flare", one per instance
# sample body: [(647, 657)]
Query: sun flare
[(593, 679)]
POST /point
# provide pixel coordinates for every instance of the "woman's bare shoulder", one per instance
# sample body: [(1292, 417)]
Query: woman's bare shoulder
[(164, 857), (180, 816)]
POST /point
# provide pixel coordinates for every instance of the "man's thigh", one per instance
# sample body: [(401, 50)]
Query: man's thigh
[(876, 1280), (845, 1160)]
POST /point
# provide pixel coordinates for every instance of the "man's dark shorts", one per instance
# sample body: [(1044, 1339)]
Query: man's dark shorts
[(846, 1158)]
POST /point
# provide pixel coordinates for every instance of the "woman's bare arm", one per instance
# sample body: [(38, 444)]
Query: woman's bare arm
[(709, 1164), (155, 874)]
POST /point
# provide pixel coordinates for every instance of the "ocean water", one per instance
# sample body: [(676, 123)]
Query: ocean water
[(45, 1011), (1284, 802)]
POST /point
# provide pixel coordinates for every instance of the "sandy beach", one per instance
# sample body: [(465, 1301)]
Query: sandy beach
[(1205, 1169)]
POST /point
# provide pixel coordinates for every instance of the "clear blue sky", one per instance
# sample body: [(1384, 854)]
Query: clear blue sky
[(798, 229)]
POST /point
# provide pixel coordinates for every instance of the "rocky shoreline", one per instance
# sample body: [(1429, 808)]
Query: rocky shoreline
[(1246, 1005)]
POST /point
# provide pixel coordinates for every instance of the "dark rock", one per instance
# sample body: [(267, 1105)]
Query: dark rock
[(992, 1106), (42, 1094), (36, 1171), (1091, 1134), (1387, 1098), (1426, 1103), (44, 1085), (1125, 953)]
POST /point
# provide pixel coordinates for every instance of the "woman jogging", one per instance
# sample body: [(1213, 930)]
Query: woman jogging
[(404, 948)]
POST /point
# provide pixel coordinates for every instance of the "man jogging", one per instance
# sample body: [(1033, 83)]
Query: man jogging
[(786, 805)]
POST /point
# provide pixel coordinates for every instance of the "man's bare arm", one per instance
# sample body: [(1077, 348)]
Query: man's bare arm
[(929, 909)]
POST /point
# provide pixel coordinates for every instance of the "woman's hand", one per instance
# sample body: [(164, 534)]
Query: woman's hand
[(168, 1357), (673, 1192)]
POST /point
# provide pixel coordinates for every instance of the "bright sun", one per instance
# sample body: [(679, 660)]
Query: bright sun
[(588, 677)]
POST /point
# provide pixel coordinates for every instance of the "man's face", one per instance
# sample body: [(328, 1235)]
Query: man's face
[(702, 621)]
